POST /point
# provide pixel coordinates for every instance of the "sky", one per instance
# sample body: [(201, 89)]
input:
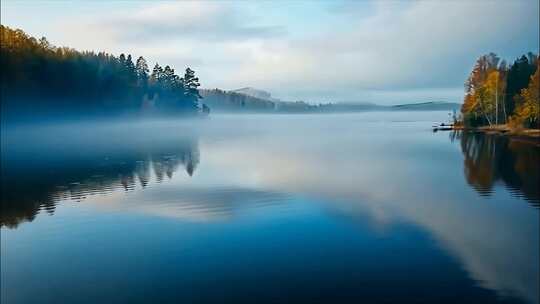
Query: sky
[(384, 52)]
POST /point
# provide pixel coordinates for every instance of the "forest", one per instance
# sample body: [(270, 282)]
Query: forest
[(496, 93), (40, 78)]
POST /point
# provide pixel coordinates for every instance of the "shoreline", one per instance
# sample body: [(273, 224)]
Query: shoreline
[(521, 134)]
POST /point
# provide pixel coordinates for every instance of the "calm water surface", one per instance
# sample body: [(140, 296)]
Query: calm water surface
[(371, 208)]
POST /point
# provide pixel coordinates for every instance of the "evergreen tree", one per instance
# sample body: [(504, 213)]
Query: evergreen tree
[(191, 85), (129, 64), (168, 77), (131, 73), (517, 79), (122, 59), (528, 102), (141, 70), (157, 74)]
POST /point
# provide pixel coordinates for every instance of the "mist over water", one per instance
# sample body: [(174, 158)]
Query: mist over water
[(298, 208)]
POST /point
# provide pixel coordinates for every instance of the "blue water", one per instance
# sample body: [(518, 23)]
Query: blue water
[(369, 207)]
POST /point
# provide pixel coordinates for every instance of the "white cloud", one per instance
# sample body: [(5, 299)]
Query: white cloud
[(346, 53), (197, 21), (425, 45)]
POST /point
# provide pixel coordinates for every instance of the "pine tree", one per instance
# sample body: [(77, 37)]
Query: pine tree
[(141, 69), (191, 84), (518, 78), (157, 74), (168, 77), (131, 74), (129, 64), (122, 59), (528, 103)]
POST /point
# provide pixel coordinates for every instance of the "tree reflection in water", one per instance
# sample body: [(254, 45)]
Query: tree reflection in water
[(489, 159), (28, 188)]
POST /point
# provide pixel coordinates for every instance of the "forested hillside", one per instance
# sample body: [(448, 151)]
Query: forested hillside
[(38, 78)]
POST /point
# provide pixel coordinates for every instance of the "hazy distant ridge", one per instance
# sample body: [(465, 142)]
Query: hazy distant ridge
[(249, 99), (254, 93), (428, 106)]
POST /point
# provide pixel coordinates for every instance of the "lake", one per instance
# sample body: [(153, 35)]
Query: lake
[(371, 207)]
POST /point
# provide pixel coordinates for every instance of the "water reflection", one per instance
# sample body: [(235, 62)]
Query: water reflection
[(36, 182), (491, 158), (363, 210)]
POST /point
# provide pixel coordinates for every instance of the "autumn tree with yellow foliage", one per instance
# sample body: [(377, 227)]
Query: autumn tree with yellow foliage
[(487, 100), (483, 88)]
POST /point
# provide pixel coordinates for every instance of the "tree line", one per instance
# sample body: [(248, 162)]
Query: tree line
[(496, 93), (37, 75)]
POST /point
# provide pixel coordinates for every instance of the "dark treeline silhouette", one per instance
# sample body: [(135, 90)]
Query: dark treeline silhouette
[(490, 158), (496, 93), (39, 77), (31, 185)]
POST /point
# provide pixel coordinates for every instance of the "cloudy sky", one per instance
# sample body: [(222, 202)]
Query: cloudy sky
[(385, 52)]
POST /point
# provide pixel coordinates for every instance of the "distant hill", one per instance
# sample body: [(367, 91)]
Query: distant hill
[(350, 107), (245, 101), (428, 106), (231, 101), (254, 100), (254, 93)]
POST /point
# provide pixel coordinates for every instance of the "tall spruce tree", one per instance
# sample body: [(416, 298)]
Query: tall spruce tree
[(168, 77), (157, 74), (122, 59), (191, 85), (141, 69)]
